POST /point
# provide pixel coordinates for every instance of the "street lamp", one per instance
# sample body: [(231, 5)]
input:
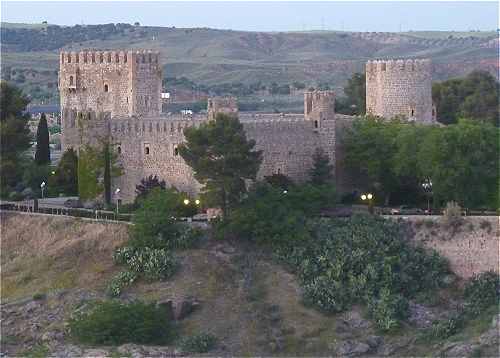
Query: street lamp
[(369, 197), (42, 187), (186, 201), (197, 201), (427, 186), (117, 196)]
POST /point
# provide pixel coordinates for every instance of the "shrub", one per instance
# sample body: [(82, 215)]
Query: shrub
[(485, 225), (113, 323), (187, 238), (200, 343), (362, 260), (481, 292), (154, 221), (388, 310), (120, 281)]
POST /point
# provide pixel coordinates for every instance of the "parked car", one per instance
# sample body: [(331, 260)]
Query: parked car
[(406, 210)]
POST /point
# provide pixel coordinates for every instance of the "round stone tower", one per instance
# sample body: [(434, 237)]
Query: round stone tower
[(400, 88)]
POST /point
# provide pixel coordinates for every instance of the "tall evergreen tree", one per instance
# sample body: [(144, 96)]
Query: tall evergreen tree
[(15, 137), (321, 172), (42, 155), (222, 159)]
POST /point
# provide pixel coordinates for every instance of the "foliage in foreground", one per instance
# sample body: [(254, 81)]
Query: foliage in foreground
[(114, 323), (200, 343), (481, 293), (362, 260), (271, 215)]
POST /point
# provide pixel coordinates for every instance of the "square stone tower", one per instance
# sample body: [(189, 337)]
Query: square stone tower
[(115, 83)]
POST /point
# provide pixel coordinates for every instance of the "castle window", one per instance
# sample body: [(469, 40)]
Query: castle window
[(93, 58), (106, 88), (315, 124), (146, 150), (412, 113), (77, 59), (71, 81), (117, 58), (176, 151), (125, 58), (109, 58), (69, 58), (279, 171), (101, 58), (85, 58), (149, 58), (119, 150)]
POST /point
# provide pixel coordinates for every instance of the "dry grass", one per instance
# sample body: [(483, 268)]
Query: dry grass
[(43, 253)]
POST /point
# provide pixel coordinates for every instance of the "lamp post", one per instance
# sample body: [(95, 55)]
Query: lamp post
[(117, 196), (42, 187), (368, 197), (186, 202), (427, 187)]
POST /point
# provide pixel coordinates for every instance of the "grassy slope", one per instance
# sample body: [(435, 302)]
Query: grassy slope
[(211, 56), (252, 305)]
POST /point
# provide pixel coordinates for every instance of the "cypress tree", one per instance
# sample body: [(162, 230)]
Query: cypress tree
[(42, 155), (321, 172)]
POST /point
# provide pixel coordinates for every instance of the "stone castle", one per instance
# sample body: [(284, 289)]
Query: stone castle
[(116, 95)]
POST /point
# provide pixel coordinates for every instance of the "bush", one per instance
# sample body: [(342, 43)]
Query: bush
[(187, 238), (120, 281), (154, 221), (362, 260), (200, 343), (114, 323), (481, 292), (388, 310)]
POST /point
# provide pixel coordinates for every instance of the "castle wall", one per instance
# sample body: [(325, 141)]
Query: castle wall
[(400, 88)]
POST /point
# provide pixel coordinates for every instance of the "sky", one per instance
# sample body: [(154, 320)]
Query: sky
[(264, 16)]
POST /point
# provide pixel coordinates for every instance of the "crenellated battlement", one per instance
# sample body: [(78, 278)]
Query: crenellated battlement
[(108, 57), (398, 65)]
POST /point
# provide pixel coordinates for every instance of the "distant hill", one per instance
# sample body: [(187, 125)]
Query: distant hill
[(209, 57)]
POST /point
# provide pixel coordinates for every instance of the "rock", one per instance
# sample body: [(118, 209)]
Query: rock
[(374, 341), (95, 353), (420, 315), (354, 320), (352, 348), (32, 306), (68, 351), (185, 308), (458, 350), (168, 305), (490, 337), (390, 348)]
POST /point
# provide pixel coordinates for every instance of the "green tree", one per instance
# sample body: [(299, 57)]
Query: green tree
[(475, 96), (154, 221), (462, 161), (97, 166), (355, 92), (370, 146), (15, 137), (65, 178), (321, 172), (42, 154), (222, 159)]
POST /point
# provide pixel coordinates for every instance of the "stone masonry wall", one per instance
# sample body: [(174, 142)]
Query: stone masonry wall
[(400, 88), (474, 247)]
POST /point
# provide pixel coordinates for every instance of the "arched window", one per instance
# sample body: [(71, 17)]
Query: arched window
[(146, 150), (176, 151), (125, 58), (93, 57), (71, 81), (412, 113), (119, 150), (106, 88), (117, 58), (315, 124), (69, 58), (109, 58)]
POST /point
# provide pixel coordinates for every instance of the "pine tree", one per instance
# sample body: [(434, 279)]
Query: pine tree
[(321, 172), (42, 155), (222, 159)]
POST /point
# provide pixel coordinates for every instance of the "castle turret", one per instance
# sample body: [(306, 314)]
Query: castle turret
[(400, 88), (227, 105), (119, 83), (319, 106)]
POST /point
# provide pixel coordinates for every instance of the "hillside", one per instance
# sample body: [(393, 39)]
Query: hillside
[(251, 304), (208, 56)]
